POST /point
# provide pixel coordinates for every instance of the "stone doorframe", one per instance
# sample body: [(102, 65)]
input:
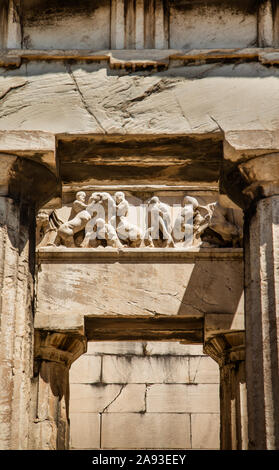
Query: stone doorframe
[(28, 179)]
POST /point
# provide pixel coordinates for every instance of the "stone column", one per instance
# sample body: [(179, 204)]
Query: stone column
[(229, 351), (54, 354), (23, 188), (251, 178)]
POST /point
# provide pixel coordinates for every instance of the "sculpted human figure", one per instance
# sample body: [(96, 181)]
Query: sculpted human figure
[(102, 235), (192, 222), (129, 233), (183, 229), (47, 224), (101, 229), (69, 229), (159, 224), (221, 230)]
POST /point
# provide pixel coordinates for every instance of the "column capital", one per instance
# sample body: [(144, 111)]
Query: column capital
[(28, 168), (59, 347), (226, 347), (250, 166)]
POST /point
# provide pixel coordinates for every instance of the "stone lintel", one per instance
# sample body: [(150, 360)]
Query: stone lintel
[(158, 328), (63, 253)]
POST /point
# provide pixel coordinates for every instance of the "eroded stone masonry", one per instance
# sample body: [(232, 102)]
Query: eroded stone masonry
[(139, 215)]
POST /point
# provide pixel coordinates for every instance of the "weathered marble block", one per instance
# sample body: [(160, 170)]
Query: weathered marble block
[(73, 283)]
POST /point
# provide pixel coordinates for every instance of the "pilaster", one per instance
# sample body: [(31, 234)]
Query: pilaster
[(251, 178), (25, 184), (229, 351), (54, 354)]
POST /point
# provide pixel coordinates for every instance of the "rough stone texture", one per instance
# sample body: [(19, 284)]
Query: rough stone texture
[(262, 307), (136, 414), (81, 99), (16, 348)]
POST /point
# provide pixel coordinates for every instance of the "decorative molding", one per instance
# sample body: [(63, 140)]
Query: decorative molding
[(132, 59)]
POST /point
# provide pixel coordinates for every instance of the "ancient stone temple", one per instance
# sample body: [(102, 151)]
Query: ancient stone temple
[(139, 224)]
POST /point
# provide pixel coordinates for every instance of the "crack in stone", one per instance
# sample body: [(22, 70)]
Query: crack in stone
[(11, 89), (160, 86), (115, 398), (196, 371), (14, 111), (216, 122), (88, 109)]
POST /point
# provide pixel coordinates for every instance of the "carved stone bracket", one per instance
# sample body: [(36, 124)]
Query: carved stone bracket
[(54, 354), (59, 347)]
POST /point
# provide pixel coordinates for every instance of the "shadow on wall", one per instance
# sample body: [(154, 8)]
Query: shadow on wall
[(213, 289)]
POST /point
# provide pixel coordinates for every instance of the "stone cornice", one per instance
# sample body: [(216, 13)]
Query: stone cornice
[(141, 59)]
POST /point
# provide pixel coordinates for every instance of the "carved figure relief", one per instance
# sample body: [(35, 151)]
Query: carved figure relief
[(159, 229), (101, 232), (103, 220), (75, 225), (47, 225), (221, 231), (128, 233)]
